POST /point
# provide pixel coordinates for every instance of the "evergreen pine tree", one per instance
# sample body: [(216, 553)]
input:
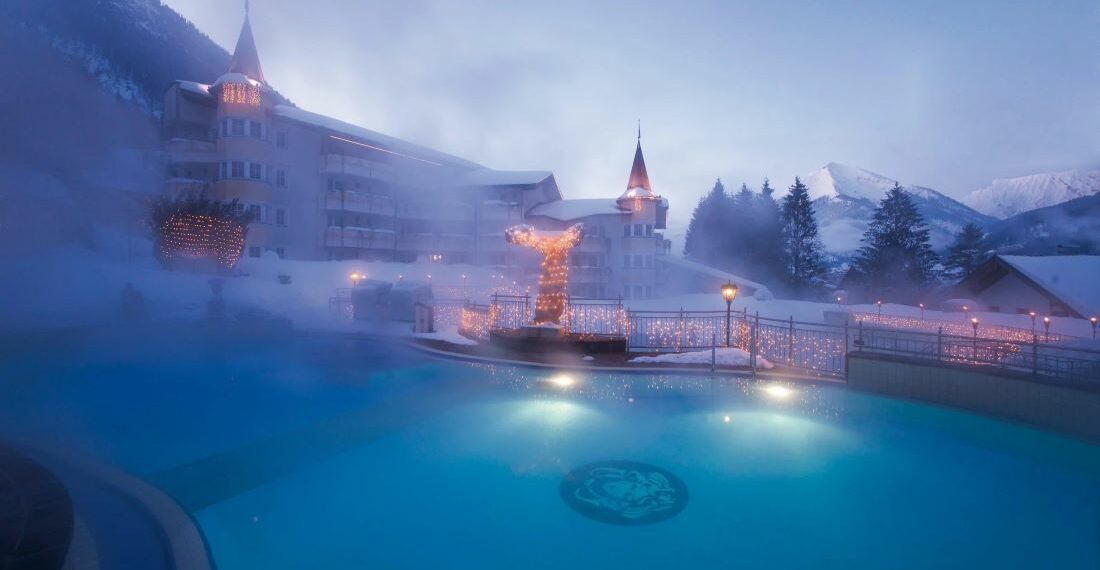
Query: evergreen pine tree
[(704, 238), (802, 248), (968, 251), (768, 241), (896, 259), (739, 232)]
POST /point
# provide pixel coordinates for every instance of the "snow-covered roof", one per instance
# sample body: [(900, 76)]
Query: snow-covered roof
[(565, 210), (489, 177), (687, 264), (390, 143), (1071, 278), (239, 78), (194, 87)]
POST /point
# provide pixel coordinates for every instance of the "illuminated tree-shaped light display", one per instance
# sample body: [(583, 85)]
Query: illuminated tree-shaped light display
[(196, 227), (554, 273)]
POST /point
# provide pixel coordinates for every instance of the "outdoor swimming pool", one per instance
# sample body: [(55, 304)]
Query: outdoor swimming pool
[(326, 452)]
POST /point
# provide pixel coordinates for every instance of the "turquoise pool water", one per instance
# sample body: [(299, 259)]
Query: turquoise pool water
[(330, 453)]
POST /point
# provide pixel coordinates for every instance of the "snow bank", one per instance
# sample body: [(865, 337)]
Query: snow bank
[(724, 356)]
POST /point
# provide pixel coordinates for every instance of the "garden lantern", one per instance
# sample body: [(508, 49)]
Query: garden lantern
[(729, 293)]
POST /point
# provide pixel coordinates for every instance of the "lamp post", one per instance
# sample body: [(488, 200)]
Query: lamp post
[(966, 311), (729, 292), (879, 303), (1046, 329), (355, 278), (1092, 321), (974, 323), (1032, 314), (838, 299), (921, 305)]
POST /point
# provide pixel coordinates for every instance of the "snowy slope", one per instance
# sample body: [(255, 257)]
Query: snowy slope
[(1073, 224), (845, 198), (1007, 197)]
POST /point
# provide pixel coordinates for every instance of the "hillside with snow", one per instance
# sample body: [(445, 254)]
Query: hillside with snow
[(845, 199), (1007, 197)]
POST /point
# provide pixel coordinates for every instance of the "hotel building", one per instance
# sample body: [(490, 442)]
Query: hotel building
[(323, 189)]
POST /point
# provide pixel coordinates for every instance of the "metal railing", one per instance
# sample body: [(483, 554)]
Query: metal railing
[(958, 327), (1041, 360)]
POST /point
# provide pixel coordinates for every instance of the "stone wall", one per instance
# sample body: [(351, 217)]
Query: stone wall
[(1068, 409)]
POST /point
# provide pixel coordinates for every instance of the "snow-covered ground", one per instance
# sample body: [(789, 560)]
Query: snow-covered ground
[(724, 356)]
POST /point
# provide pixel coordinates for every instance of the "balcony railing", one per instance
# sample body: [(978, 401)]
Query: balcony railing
[(365, 238), (359, 202)]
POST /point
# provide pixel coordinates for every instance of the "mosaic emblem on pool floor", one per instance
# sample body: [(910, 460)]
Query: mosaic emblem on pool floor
[(624, 492)]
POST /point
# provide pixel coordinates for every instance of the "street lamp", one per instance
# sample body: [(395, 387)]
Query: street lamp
[(355, 278), (1032, 314), (879, 303), (1046, 328), (1092, 320), (974, 323), (838, 299), (729, 292), (921, 305)]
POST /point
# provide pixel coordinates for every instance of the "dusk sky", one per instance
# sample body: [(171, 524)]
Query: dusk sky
[(944, 94)]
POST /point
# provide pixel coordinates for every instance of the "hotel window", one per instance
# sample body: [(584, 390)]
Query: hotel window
[(224, 170), (648, 230), (255, 211), (626, 291), (255, 171), (593, 260), (626, 230), (280, 139), (649, 261), (238, 127), (648, 292), (280, 217), (280, 178), (626, 261), (238, 169), (638, 230), (255, 130), (638, 261), (281, 252), (638, 292)]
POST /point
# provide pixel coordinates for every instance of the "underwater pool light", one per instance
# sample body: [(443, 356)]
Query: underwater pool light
[(562, 381), (778, 392)]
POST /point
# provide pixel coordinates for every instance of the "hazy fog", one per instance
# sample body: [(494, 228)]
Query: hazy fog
[(946, 94)]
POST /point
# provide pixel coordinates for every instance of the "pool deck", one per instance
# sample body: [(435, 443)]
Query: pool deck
[(606, 363)]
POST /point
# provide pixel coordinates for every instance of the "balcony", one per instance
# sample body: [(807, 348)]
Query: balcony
[(365, 238), (355, 166), (434, 243), (436, 210), (359, 202)]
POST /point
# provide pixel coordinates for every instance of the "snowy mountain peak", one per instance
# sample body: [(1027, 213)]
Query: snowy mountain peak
[(1008, 197), (845, 198), (835, 179)]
